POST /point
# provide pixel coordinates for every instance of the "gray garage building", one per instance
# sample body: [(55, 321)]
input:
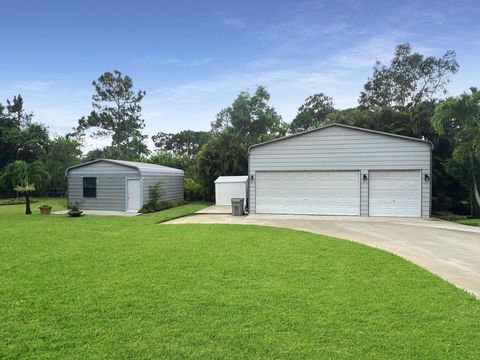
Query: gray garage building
[(341, 170), (121, 185)]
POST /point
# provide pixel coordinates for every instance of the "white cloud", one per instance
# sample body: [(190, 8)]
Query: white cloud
[(34, 86), (364, 54), (298, 79), (226, 19), (237, 23), (156, 60), (152, 60), (381, 48)]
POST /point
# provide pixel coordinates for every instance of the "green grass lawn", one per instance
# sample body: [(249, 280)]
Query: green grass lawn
[(126, 288), (472, 222)]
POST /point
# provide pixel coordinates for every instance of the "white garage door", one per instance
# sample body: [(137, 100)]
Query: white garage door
[(308, 192), (395, 193)]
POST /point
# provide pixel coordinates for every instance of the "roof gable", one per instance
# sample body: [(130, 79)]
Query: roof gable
[(344, 127), (141, 167)]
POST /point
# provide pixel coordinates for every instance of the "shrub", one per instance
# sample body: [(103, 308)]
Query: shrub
[(159, 206), (193, 190), (156, 192), (74, 205), (155, 203)]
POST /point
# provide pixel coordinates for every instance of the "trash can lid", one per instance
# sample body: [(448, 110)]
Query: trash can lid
[(237, 199)]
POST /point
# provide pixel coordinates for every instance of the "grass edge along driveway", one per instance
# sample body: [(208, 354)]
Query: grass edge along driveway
[(471, 222)]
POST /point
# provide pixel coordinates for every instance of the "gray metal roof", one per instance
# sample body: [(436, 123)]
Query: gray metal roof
[(142, 167), (343, 126)]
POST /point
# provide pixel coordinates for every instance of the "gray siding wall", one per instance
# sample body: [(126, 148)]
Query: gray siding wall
[(110, 185), (337, 148), (172, 185)]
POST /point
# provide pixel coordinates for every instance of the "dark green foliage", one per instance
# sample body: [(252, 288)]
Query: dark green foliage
[(251, 117), (15, 201), (313, 113), (458, 119), (166, 158), (112, 152), (61, 154), (225, 154), (158, 206), (23, 140), (186, 143), (192, 189), (24, 175), (409, 79), (20, 139), (24, 178), (413, 122)]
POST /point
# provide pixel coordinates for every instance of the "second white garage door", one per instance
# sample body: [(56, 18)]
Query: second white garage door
[(395, 193), (308, 192)]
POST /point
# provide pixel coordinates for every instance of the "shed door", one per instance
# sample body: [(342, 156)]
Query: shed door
[(308, 192), (395, 193), (133, 195)]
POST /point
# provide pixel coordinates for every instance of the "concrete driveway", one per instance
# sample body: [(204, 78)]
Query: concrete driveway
[(449, 250)]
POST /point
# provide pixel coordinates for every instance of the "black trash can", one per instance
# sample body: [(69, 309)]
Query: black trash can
[(237, 206)]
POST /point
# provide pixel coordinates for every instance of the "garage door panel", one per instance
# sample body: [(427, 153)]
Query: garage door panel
[(395, 193), (308, 192)]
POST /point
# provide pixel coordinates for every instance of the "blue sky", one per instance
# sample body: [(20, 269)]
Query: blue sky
[(194, 57)]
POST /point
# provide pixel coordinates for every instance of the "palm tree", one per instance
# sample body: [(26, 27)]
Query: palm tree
[(23, 177), (459, 119), (223, 154)]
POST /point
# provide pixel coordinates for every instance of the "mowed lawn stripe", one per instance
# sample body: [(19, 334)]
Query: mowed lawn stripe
[(119, 287)]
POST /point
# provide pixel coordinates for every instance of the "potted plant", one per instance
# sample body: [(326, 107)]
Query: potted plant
[(75, 209), (45, 209)]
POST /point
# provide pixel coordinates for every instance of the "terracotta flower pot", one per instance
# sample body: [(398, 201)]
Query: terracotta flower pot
[(45, 210)]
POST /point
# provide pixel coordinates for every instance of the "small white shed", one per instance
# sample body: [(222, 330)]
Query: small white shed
[(228, 187)]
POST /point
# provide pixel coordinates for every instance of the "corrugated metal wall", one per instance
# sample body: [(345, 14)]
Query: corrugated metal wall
[(171, 184)]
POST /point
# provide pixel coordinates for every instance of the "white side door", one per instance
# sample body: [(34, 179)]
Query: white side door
[(308, 192), (133, 195), (395, 193)]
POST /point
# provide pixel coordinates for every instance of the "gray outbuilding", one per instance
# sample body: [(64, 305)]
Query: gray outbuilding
[(341, 170), (121, 185)]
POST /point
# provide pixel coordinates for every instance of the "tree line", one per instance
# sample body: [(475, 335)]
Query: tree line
[(405, 96)]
